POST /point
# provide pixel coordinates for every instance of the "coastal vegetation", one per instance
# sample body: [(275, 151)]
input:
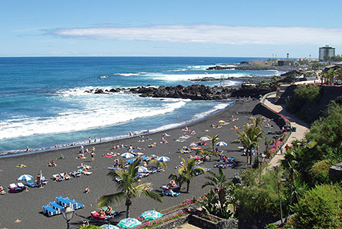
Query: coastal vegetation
[(188, 171), (250, 136), (128, 187)]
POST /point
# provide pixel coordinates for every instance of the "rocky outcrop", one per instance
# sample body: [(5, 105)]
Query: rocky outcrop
[(193, 92)]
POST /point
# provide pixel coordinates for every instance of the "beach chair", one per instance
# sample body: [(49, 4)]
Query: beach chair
[(14, 188), (21, 186), (57, 177), (63, 201), (57, 207), (75, 205), (75, 174), (31, 184), (49, 211), (170, 192)]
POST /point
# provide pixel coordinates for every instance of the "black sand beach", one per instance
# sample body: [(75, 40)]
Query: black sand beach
[(24, 209)]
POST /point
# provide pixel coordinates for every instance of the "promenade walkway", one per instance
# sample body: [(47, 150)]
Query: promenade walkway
[(301, 127)]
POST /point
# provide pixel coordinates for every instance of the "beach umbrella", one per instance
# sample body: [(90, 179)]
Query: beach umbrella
[(108, 226), (130, 161), (193, 144), (25, 177), (128, 223), (163, 159), (204, 139), (221, 144), (151, 215), (142, 169), (144, 158), (127, 155)]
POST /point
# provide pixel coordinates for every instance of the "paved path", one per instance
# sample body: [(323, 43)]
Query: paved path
[(301, 127)]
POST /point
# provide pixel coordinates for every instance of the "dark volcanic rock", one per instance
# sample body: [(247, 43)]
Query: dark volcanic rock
[(194, 92)]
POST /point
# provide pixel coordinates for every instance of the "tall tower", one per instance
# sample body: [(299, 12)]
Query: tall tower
[(326, 52)]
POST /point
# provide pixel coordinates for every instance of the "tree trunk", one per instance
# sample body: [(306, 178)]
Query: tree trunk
[(128, 204), (250, 157), (187, 186), (281, 208)]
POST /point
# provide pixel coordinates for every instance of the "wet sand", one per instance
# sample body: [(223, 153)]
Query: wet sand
[(24, 209)]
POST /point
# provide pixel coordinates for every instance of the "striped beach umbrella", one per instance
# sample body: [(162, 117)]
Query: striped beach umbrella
[(142, 169), (163, 159), (221, 144), (127, 155), (25, 177)]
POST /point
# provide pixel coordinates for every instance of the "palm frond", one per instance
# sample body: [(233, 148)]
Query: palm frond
[(106, 200)]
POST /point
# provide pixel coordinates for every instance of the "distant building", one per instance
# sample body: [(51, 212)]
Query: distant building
[(285, 63), (326, 52)]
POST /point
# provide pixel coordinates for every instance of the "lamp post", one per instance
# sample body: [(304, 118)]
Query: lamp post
[(68, 213)]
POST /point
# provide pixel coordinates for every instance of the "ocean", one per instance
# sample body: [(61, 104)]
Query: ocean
[(43, 103)]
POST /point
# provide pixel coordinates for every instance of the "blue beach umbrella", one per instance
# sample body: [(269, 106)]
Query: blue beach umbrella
[(25, 177), (221, 144), (144, 158), (130, 161), (163, 159), (129, 222), (142, 169), (127, 155), (151, 215)]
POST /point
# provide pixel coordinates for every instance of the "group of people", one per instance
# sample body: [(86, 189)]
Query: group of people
[(107, 212), (82, 152), (52, 164)]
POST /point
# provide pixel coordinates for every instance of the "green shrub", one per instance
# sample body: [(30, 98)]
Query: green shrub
[(320, 208), (307, 93), (320, 172)]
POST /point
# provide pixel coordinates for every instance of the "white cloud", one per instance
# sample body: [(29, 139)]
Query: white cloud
[(212, 34)]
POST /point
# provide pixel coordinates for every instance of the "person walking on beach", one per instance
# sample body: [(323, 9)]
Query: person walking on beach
[(93, 154), (27, 149), (89, 140)]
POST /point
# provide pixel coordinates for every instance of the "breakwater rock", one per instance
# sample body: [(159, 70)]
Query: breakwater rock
[(193, 92)]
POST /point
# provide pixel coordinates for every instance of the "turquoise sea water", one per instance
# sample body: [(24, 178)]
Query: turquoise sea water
[(43, 103)]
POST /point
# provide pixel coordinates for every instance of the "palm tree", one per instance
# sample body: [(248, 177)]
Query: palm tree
[(179, 179), (216, 180), (159, 164), (221, 185), (206, 153), (214, 139), (250, 137), (189, 170), (128, 188)]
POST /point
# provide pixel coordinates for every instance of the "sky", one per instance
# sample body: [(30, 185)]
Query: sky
[(215, 28)]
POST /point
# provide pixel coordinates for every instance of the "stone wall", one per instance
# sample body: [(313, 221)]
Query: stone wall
[(265, 111), (335, 172), (222, 224)]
